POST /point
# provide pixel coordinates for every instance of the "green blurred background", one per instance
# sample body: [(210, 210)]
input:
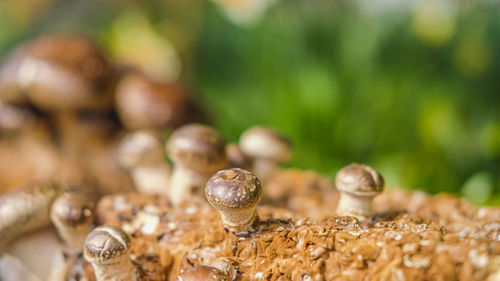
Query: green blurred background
[(411, 87)]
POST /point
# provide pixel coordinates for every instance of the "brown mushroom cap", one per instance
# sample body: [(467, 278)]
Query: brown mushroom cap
[(233, 189), (260, 142), (61, 72), (146, 104), (203, 273), (360, 180), (198, 147), (106, 245), (71, 210), (140, 148)]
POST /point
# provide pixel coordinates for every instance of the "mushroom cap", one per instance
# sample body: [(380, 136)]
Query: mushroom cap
[(233, 189), (197, 147), (140, 148), (236, 157), (260, 142), (360, 180), (106, 245), (71, 209), (146, 104), (203, 273), (60, 72)]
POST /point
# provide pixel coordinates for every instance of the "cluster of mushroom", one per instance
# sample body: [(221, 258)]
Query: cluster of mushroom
[(63, 104)]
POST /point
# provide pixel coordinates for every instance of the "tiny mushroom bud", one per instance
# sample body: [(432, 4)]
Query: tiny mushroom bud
[(358, 184), (72, 215), (203, 273), (226, 266), (235, 193), (198, 151), (268, 149), (236, 157), (141, 152), (107, 249)]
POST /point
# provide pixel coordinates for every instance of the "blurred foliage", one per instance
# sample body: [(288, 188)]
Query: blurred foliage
[(410, 87)]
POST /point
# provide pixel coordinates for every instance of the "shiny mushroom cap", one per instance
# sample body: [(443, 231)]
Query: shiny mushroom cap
[(360, 180), (140, 148), (106, 245), (60, 72), (197, 147), (72, 210), (146, 104), (203, 273), (232, 189), (260, 142)]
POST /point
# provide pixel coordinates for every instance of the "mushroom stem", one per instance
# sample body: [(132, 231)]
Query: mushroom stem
[(122, 270), (264, 168), (239, 220), (152, 179), (355, 205), (184, 183)]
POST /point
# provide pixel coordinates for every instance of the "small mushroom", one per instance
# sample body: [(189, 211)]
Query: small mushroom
[(226, 266), (107, 249), (358, 184), (205, 273), (72, 215), (236, 157), (268, 149), (141, 153), (198, 151), (235, 193), (146, 104)]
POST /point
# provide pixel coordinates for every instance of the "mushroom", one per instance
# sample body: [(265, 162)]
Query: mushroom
[(63, 72), (358, 184), (146, 104), (198, 151), (26, 209), (72, 215), (141, 153), (267, 147), (236, 157), (205, 273), (107, 249), (235, 193)]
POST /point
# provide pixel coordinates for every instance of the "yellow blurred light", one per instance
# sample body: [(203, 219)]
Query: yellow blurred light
[(434, 21), (134, 41), (471, 55)]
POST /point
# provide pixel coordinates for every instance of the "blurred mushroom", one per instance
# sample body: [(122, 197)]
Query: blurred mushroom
[(141, 153), (146, 104), (358, 184), (198, 151), (268, 149), (236, 157), (26, 209), (107, 249), (59, 72), (72, 215), (235, 193)]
